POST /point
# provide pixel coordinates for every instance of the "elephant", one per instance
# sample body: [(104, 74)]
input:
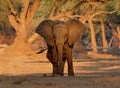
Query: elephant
[(45, 30), (60, 38)]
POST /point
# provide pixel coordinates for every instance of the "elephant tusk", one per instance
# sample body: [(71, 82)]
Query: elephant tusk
[(42, 50)]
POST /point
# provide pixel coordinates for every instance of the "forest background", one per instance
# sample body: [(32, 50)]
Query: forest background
[(19, 19)]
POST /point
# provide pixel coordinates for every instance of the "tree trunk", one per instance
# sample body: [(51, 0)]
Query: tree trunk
[(118, 35), (20, 23), (20, 45), (93, 38), (104, 41)]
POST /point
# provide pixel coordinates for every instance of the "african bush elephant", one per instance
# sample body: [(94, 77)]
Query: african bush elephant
[(65, 35), (45, 30), (60, 38)]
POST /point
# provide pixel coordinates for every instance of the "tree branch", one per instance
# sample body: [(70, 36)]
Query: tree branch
[(12, 16), (13, 21), (60, 15), (114, 33), (68, 13), (53, 9), (11, 8), (104, 12), (24, 9), (31, 11), (77, 6)]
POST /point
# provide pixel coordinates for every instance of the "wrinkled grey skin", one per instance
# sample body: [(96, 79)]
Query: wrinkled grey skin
[(60, 38)]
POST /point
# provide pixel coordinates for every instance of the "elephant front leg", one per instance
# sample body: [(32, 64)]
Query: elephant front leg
[(55, 69), (68, 51), (54, 62), (63, 64)]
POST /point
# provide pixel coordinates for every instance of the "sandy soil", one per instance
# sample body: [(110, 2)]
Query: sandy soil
[(36, 81), (21, 71)]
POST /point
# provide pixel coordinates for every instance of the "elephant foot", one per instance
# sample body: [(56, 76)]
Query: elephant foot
[(56, 72), (71, 73), (55, 69), (55, 75), (61, 74)]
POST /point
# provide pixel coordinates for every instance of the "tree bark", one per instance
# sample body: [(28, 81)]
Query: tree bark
[(104, 41), (93, 38), (67, 14), (118, 35), (20, 43)]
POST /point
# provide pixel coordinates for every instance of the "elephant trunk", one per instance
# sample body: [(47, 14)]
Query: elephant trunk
[(60, 56)]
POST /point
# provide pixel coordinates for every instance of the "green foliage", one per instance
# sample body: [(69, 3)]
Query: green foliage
[(115, 17), (3, 14), (118, 13), (44, 9), (5, 27)]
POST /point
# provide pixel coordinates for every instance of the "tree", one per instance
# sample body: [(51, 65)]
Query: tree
[(21, 17), (20, 21), (95, 9), (88, 15), (114, 24), (56, 13), (116, 35), (104, 41)]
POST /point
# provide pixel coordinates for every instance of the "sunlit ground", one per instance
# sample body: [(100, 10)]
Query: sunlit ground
[(97, 71), (23, 65)]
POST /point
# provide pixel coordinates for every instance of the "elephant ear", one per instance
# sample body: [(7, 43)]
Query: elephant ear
[(45, 30), (76, 30)]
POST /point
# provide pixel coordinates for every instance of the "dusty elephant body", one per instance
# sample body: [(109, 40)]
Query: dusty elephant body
[(62, 38), (45, 30)]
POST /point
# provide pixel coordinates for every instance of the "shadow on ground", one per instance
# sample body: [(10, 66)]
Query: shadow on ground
[(40, 81)]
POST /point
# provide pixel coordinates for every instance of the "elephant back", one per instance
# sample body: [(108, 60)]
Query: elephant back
[(45, 29), (76, 30)]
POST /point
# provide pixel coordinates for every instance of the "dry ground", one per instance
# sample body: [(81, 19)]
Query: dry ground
[(97, 71)]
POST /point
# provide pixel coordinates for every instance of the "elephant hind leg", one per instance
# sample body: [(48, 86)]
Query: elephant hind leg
[(68, 51)]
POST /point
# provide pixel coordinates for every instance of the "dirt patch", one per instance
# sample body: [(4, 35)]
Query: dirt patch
[(29, 71)]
